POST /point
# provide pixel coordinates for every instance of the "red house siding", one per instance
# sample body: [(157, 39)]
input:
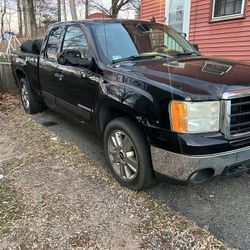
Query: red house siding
[(227, 39), (153, 8)]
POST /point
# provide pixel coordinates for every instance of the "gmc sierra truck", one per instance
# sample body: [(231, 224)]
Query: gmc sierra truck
[(164, 111)]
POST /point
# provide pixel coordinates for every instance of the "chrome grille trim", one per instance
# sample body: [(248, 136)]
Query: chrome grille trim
[(226, 107), (236, 94), (225, 118)]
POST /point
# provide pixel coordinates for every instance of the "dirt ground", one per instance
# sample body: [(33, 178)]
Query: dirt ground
[(54, 197)]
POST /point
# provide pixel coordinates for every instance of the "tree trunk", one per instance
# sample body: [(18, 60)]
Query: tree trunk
[(64, 10), (86, 9), (8, 17), (59, 10), (72, 6), (2, 16), (27, 14), (25, 19), (115, 13), (20, 21), (32, 27), (116, 7)]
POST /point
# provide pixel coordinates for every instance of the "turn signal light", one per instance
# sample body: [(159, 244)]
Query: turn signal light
[(179, 115)]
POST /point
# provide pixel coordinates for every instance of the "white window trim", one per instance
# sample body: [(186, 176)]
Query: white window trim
[(229, 16)]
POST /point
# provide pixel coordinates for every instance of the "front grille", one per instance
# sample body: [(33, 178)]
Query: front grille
[(240, 116)]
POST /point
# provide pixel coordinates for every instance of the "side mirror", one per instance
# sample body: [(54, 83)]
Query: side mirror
[(73, 57), (196, 46)]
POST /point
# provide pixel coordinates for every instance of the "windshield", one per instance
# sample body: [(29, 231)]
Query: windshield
[(117, 41)]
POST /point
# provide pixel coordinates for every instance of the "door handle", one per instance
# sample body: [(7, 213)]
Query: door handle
[(59, 76)]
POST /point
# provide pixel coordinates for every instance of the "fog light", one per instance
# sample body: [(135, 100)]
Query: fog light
[(201, 175)]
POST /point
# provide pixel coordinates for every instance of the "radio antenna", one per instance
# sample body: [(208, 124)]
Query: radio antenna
[(169, 73)]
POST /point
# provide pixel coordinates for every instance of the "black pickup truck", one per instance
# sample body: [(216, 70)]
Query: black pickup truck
[(165, 112)]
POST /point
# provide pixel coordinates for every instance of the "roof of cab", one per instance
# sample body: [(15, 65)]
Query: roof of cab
[(99, 20)]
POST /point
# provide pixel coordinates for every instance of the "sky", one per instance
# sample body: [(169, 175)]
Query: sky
[(11, 23)]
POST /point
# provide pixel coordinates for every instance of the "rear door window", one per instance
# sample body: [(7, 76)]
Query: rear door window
[(53, 45)]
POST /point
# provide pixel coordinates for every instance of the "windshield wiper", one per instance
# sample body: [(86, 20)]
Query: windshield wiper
[(140, 57)]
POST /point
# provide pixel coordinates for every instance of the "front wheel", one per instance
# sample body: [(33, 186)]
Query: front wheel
[(30, 104), (127, 154)]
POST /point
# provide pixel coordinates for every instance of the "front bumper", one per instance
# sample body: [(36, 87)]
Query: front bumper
[(183, 167)]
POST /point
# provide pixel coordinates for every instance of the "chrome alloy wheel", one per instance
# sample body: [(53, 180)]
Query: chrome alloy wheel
[(122, 155), (25, 97)]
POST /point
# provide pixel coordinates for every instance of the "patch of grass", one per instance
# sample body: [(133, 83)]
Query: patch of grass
[(10, 209), (182, 227)]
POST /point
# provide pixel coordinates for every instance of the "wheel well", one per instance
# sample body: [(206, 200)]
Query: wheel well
[(19, 75), (108, 113)]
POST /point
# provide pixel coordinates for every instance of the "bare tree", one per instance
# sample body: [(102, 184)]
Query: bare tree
[(20, 20), (3, 13), (72, 5), (46, 13), (136, 6), (64, 10), (59, 10), (86, 8), (9, 13), (25, 19), (28, 21), (31, 19), (89, 5), (117, 6)]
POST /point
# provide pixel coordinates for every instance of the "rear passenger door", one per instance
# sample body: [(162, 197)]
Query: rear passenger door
[(51, 86)]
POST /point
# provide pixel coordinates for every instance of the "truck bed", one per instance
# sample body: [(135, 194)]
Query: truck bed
[(27, 62)]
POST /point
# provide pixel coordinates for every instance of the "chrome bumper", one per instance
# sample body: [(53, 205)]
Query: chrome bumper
[(181, 167)]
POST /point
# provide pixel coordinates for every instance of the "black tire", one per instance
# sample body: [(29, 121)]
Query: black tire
[(145, 177), (33, 106)]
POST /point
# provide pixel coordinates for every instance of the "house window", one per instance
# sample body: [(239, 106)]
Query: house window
[(227, 9)]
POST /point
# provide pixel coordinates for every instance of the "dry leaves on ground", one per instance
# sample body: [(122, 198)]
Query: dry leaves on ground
[(54, 197)]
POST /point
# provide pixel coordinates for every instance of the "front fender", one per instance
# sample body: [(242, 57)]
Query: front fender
[(133, 99)]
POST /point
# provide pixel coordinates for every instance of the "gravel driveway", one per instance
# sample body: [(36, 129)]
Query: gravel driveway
[(55, 196), (221, 206)]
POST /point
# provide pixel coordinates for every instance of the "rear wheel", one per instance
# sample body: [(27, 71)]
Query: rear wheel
[(30, 104), (127, 154)]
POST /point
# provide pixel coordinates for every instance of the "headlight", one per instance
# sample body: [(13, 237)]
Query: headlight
[(195, 117)]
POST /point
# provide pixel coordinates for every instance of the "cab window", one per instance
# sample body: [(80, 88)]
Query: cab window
[(53, 44), (75, 39)]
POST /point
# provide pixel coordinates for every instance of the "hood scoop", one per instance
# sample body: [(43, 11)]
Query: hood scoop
[(216, 68)]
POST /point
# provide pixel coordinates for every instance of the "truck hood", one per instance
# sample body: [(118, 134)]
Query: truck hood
[(196, 78)]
